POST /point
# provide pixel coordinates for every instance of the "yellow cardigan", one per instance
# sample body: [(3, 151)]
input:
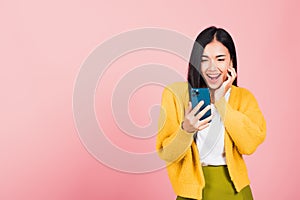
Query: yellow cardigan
[(245, 129)]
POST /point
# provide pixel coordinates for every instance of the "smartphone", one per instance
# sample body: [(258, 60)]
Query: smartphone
[(200, 94)]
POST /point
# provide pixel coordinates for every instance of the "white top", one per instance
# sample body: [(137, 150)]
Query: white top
[(210, 141)]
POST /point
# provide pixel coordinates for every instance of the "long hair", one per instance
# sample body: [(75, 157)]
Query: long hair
[(195, 78)]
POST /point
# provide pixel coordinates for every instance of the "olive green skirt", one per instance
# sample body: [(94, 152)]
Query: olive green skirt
[(218, 186)]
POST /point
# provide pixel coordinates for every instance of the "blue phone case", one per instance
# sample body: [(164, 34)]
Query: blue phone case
[(198, 94)]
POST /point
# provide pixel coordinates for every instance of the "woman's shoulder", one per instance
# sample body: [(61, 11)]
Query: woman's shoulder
[(177, 86), (242, 94), (178, 90), (241, 90)]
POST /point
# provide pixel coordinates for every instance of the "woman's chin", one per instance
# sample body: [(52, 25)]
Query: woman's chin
[(214, 86)]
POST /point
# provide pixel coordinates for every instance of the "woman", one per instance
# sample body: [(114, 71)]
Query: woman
[(205, 157)]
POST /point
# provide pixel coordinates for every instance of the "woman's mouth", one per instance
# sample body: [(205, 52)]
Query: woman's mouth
[(213, 77)]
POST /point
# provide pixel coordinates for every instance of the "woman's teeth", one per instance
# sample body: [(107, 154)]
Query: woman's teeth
[(213, 76)]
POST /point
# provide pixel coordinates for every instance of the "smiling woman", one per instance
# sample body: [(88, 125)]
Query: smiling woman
[(215, 63), (236, 126), (218, 51)]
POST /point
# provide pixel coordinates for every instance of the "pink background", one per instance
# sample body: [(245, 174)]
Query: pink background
[(43, 44)]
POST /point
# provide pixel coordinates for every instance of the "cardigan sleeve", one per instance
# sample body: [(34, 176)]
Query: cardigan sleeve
[(245, 125), (172, 141)]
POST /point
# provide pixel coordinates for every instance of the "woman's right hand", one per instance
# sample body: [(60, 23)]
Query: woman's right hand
[(191, 121)]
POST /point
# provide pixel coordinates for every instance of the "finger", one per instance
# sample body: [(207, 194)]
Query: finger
[(233, 72), (200, 114), (203, 127), (197, 107), (189, 108), (204, 121), (208, 119), (229, 78)]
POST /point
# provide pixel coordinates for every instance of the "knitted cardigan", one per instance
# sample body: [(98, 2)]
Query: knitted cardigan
[(245, 129)]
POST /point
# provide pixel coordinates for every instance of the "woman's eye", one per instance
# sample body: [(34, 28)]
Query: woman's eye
[(221, 59)]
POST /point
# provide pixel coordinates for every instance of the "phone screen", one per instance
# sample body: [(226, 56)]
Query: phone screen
[(197, 95)]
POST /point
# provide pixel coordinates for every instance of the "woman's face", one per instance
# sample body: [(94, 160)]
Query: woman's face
[(215, 63)]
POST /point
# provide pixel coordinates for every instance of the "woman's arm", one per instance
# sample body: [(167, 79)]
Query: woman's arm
[(246, 126), (172, 141)]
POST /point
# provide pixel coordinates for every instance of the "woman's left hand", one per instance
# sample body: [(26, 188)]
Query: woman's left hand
[(221, 91)]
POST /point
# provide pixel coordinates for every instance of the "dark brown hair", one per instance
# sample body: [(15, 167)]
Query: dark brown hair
[(195, 78)]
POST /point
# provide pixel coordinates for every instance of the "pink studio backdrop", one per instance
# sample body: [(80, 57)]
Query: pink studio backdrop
[(42, 47)]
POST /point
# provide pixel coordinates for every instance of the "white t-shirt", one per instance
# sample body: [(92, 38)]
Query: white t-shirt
[(211, 149)]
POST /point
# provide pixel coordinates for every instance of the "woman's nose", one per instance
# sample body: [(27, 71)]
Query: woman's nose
[(212, 65)]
